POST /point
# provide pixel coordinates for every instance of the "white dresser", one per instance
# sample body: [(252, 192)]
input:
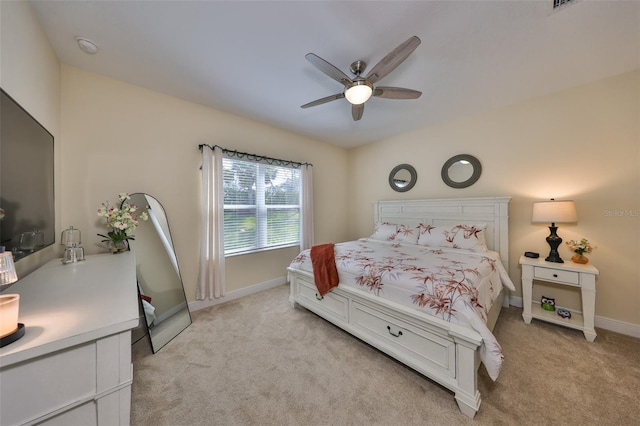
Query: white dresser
[(73, 365)]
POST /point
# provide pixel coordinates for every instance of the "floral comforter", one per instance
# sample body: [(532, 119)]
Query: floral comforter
[(456, 285)]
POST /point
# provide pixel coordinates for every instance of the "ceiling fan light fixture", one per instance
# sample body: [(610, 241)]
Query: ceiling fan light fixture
[(358, 92)]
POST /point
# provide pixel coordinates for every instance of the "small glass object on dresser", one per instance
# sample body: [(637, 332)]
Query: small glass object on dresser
[(71, 239), (8, 273)]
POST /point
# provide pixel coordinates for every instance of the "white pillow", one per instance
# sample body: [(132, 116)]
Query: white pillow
[(385, 231), (467, 237)]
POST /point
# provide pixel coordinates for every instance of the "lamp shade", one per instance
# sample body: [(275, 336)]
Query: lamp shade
[(561, 211), (7, 268)]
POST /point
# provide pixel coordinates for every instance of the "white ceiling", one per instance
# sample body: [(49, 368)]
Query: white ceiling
[(247, 58)]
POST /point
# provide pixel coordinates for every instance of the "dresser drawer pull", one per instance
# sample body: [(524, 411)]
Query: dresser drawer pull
[(555, 275), (391, 333), (319, 297)]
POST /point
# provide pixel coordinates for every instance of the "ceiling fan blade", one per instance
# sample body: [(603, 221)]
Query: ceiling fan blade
[(357, 111), (323, 100), (396, 93), (328, 69), (392, 60)]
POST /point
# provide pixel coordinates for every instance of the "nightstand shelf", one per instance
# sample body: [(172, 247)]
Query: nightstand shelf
[(576, 321), (575, 275)]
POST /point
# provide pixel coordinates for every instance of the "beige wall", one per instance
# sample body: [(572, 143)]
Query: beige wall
[(30, 74), (580, 144), (122, 138)]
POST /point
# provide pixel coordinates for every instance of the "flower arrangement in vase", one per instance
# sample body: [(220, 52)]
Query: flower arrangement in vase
[(580, 248), (121, 223)]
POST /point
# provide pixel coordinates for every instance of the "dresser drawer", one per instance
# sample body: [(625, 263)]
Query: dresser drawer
[(568, 277), (47, 384), (331, 303), (68, 385), (424, 346)]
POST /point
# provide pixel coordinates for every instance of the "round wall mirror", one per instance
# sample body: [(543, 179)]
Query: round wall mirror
[(403, 177), (461, 171)]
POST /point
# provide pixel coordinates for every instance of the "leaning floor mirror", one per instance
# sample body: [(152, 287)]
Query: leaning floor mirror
[(164, 310)]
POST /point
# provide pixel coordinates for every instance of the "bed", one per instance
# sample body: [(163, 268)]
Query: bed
[(446, 342)]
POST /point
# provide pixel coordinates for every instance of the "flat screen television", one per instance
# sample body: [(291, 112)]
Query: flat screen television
[(27, 218)]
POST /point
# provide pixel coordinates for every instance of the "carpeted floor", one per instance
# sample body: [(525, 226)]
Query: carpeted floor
[(258, 361)]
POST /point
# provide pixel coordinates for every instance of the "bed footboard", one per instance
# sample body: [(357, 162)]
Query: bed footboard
[(442, 351)]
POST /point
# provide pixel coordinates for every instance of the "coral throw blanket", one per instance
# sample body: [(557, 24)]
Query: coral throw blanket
[(325, 272)]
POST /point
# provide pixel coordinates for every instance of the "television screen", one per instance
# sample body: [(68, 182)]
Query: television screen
[(27, 218)]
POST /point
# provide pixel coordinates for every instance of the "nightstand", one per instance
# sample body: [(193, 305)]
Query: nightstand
[(571, 274)]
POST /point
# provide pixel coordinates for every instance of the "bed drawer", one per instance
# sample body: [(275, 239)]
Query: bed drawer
[(415, 342), (331, 303)]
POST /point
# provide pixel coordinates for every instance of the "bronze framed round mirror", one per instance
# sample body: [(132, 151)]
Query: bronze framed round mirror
[(403, 177), (461, 171)]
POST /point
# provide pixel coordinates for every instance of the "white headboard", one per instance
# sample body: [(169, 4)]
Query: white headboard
[(494, 211)]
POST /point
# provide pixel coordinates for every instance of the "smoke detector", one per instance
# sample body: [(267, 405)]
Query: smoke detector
[(86, 45)]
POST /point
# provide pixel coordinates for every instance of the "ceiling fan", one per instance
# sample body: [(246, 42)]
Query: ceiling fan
[(359, 89)]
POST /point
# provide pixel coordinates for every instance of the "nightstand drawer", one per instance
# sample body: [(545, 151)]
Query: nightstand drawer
[(568, 277)]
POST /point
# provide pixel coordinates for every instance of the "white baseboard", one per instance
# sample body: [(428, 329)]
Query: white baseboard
[(601, 322), (621, 327), (236, 294), (515, 301)]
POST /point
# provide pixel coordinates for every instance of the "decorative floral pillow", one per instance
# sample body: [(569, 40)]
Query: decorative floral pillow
[(385, 231), (468, 237)]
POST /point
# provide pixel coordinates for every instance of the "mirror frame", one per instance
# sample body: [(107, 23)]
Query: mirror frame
[(412, 181), (475, 163)]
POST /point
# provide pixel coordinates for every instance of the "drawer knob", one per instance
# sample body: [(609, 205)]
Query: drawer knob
[(391, 333), (319, 297), (555, 275)]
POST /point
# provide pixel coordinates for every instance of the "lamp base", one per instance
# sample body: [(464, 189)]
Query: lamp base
[(555, 258), (12, 337), (554, 241)]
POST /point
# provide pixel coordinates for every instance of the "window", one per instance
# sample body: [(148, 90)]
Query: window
[(261, 206)]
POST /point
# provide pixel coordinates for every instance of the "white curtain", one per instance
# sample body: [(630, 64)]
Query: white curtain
[(211, 277), (306, 227)]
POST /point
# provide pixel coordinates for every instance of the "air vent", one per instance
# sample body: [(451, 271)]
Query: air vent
[(559, 3)]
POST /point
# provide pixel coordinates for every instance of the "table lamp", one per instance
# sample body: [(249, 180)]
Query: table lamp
[(561, 211), (10, 329)]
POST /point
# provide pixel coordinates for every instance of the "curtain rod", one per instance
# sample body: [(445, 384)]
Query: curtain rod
[(255, 157)]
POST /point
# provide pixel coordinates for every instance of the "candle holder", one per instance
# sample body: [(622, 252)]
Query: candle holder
[(10, 329)]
